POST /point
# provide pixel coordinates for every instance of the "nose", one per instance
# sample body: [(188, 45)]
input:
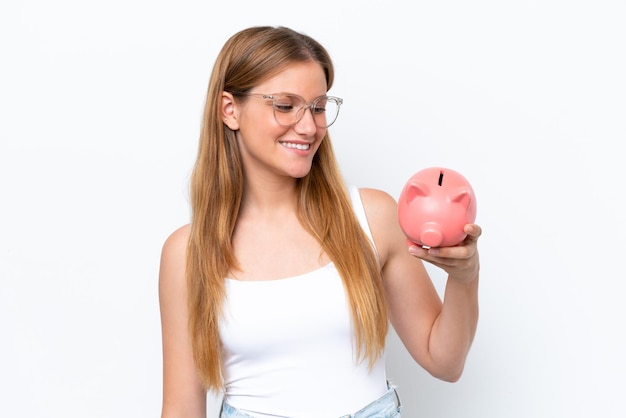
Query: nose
[(306, 123)]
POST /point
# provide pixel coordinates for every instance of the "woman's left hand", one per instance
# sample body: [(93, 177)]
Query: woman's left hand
[(461, 262)]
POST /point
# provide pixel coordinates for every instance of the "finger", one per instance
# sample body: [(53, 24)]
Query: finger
[(472, 230), (458, 252)]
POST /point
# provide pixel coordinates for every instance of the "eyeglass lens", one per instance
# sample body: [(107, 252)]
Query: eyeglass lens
[(289, 109)]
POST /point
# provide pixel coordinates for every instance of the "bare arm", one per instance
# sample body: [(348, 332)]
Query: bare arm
[(183, 394), (437, 334)]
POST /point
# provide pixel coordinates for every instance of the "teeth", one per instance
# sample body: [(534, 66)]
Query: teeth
[(296, 146)]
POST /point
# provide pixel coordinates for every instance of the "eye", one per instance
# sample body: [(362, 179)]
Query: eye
[(284, 104), (320, 107)]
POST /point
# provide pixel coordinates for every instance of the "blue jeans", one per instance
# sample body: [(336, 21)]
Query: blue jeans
[(387, 406)]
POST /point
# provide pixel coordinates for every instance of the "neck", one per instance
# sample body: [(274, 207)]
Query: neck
[(269, 197)]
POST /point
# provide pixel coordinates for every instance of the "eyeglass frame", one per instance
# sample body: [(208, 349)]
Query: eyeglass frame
[(309, 106)]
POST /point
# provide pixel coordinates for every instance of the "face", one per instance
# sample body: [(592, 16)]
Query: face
[(271, 149)]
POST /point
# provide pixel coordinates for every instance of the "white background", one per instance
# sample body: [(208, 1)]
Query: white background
[(100, 106)]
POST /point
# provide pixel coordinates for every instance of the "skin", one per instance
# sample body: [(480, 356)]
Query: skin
[(270, 242)]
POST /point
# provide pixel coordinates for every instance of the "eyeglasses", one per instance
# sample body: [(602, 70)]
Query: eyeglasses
[(290, 108)]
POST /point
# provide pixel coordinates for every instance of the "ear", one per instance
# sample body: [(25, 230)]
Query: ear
[(462, 196), (229, 111), (415, 189)]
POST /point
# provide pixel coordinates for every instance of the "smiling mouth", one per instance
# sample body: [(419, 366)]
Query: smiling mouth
[(302, 147)]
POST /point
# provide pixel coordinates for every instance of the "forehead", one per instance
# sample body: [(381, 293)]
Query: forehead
[(305, 79)]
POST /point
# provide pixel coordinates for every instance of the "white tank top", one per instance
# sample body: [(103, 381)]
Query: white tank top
[(288, 346)]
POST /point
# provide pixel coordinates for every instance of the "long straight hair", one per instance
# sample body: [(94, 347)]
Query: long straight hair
[(324, 208)]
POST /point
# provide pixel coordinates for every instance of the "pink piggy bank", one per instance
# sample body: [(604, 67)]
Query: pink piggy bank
[(434, 206)]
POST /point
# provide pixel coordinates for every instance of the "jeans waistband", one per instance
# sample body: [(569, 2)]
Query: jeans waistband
[(387, 406)]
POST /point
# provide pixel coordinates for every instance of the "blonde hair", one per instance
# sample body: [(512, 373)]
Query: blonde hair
[(324, 208)]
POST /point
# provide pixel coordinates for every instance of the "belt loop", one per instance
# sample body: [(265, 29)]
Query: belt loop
[(397, 397)]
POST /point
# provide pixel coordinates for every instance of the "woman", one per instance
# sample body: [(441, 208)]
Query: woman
[(279, 291)]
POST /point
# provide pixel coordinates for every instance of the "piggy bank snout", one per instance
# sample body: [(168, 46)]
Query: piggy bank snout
[(431, 235)]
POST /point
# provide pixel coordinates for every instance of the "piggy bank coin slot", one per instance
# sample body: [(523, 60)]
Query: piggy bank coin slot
[(440, 178)]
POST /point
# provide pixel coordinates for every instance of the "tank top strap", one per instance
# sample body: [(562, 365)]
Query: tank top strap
[(359, 211)]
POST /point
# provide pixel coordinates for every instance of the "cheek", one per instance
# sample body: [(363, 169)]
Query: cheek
[(318, 141), (261, 126), (320, 135), (256, 118)]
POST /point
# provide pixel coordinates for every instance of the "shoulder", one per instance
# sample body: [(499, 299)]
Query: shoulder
[(378, 205), (177, 240), (376, 196), (174, 255)]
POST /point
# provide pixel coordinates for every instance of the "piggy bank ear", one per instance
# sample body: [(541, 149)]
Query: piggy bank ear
[(415, 189), (463, 196)]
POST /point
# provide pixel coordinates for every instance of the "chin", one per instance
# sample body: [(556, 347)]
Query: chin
[(299, 172), (299, 175)]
